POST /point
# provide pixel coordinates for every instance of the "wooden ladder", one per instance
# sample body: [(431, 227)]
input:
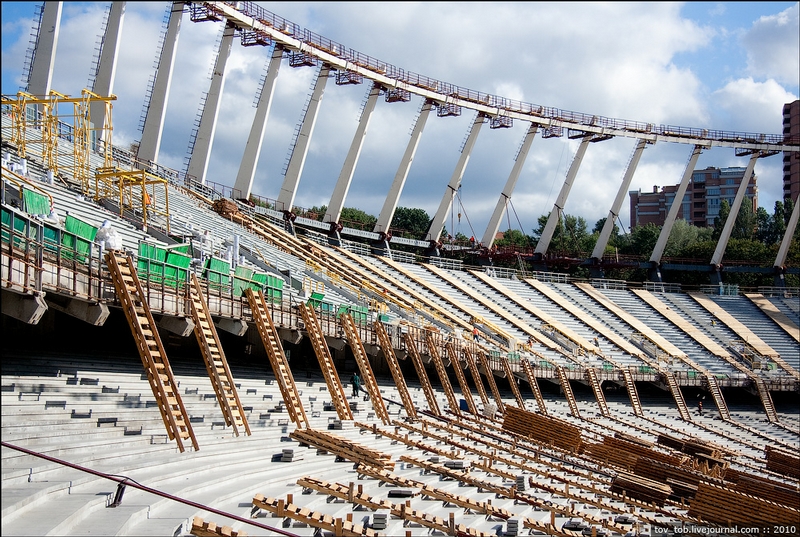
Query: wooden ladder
[(492, 383), (597, 388), (716, 393), (476, 375), (335, 387), (216, 364), (512, 382), (419, 366), (568, 393), (683, 410), (766, 400), (388, 352), (537, 393), (151, 350), (277, 358), (633, 393), (462, 379), (440, 369), (351, 333)]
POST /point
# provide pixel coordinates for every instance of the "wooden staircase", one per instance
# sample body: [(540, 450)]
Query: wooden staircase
[(151, 350), (683, 410), (277, 358), (633, 393), (422, 375), (512, 382), (388, 353), (597, 388), (492, 383), (370, 384), (462, 379), (476, 376), (317, 338), (537, 393), (216, 364), (766, 400), (716, 393), (568, 393), (440, 369)]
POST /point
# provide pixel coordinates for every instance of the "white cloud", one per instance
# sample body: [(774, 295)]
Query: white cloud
[(772, 47)]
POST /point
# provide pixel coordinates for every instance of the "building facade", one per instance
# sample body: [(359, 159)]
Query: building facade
[(700, 204), (791, 161)]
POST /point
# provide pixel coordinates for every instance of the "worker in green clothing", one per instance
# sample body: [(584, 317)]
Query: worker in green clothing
[(356, 380)]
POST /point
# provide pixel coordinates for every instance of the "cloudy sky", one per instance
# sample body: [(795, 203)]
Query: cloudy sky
[(726, 66)]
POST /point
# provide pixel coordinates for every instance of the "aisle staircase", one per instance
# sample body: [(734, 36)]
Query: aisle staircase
[(462, 379), (716, 393), (388, 353), (633, 393), (568, 393), (422, 375), (537, 393), (216, 364), (323, 353), (597, 388), (280, 365), (766, 400), (369, 381), (683, 410), (151, 350)]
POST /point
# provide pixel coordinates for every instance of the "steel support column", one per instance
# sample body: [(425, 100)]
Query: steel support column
[(666, 229), (247, 168), (505, 195), (558, 207), (437, 224), (393, 197), (722, 243), (150, 144), (298, 159), (201, 153), (44, 56), (608, 227), (336, 204), (107, 65)]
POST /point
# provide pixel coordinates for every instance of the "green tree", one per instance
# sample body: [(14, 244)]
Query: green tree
[(643, 240), (513, 237), (358, 219), (411, 222)]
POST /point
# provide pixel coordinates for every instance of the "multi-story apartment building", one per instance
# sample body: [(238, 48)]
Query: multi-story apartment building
[(791, 161), (701, 202)]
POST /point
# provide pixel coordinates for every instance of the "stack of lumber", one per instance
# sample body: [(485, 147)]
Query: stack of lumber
[(783, 462), (347, 449), (641, 488), (543, 429), (721, 505)]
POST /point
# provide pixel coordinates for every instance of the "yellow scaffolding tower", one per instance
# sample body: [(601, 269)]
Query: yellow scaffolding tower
[(61, 121), (136, 190)]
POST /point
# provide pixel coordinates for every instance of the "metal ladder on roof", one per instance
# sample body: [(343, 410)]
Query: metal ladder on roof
[(476, 375), (683, 410), (597, 388), (766, 399), (422, 375), (537, 393), (388, 353), (151, 350), (492, 383), (440, 369), (462, 379), (633, 393), (317, 338), (716, 393), (568, 393), (351, 333), (277, 358), (214, 357)]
